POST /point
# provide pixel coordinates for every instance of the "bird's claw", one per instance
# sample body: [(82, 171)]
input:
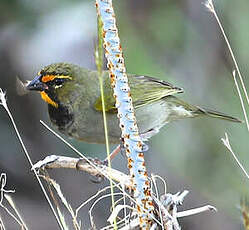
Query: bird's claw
[(98, 177)]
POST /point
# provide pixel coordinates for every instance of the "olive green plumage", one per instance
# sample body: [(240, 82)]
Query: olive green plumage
[(79, 111)]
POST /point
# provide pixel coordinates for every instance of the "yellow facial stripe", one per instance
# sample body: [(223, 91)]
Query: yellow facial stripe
[(46, 98), (48, 78)]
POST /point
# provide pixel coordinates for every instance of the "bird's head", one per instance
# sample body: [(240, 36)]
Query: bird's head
[(52, 81)]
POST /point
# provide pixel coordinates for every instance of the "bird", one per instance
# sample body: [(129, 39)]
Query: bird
[(75, 106)]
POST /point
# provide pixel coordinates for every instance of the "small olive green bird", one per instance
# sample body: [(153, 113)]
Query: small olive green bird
[(75, 106)]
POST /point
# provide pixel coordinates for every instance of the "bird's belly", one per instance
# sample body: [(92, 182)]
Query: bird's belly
[(89, 125)]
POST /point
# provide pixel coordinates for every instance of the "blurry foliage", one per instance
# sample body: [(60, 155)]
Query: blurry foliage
[(244, 206)]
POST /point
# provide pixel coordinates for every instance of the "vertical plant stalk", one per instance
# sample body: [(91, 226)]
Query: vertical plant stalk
[(129, 130), (99, 64)]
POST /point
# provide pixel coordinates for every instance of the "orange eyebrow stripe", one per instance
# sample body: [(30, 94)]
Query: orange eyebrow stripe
[(46, 98), (48, 78)]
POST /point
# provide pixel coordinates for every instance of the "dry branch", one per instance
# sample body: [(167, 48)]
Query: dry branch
[(93, 166)]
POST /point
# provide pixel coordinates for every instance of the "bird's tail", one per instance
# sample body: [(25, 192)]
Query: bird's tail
[(182, 110), (215, 114)]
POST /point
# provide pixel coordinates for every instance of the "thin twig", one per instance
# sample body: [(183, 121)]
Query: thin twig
[(96, 201), (195, 211), (3, 194), (228, 146), (63, 199), (12, 204), (116, 211), (2, 227), (209, 4), (153, 178), (3, 102), (240, 97), (91, 198), (11, 214)]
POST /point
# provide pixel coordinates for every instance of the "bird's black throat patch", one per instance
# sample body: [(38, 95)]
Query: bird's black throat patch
[(60, 116)]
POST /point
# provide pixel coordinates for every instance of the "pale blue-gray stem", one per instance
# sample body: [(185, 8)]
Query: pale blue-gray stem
[(132, 141)]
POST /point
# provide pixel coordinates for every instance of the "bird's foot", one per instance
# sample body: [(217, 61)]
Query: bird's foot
[(97, 178)]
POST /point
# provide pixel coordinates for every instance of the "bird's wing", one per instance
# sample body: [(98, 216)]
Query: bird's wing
[(144, 90)]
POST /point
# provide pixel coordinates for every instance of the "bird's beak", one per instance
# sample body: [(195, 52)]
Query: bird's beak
[(36, 84)]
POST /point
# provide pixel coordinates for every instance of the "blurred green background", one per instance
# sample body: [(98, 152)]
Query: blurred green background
[(177, 41)]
